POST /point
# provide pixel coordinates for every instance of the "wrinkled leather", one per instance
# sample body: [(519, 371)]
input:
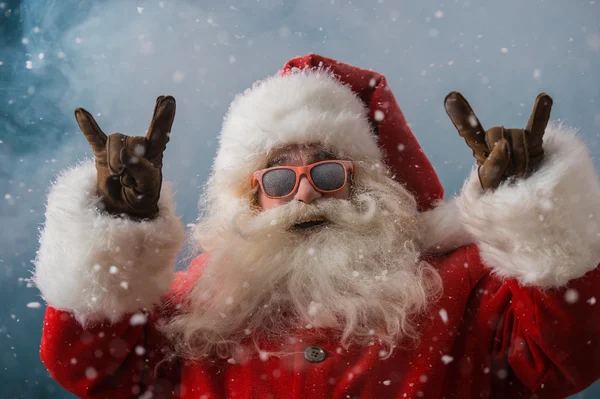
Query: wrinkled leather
[(129, 168), (501, 153)]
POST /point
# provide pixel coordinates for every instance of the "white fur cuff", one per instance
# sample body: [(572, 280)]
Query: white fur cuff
[(543, 230), (101, 267)]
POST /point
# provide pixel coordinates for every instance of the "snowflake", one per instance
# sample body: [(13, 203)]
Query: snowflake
[(91, 373), (447, 359), (571, 296), (444, 315), (592, 300), (138, 319)]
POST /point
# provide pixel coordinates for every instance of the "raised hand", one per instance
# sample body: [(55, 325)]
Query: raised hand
[(130, 167), (501, 153)]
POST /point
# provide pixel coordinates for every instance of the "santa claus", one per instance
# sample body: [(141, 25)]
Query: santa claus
[(329, 265)]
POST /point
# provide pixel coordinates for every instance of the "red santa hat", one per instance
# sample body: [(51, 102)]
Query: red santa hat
[(319, 100)]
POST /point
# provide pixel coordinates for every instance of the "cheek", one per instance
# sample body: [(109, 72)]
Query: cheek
[(342, 194), (266, 203)]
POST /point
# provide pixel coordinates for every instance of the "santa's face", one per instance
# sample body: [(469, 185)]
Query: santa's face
[(305, 192)]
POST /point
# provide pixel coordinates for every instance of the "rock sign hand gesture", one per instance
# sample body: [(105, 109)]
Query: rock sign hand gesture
[(501, 153), (129, 168)]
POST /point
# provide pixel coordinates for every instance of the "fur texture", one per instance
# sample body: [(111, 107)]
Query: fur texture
[(443, 231), (543, 230), (302, 107), (101, 267)]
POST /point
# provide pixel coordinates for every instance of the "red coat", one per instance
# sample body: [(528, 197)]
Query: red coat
[(484, 338)]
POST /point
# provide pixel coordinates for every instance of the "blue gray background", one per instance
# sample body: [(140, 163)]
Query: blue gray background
[(115, 57)]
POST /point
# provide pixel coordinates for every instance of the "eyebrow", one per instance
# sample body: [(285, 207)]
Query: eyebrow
[(317, 157), (324, 156), (281, 159)]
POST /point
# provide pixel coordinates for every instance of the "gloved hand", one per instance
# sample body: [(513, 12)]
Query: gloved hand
[(501, 153), (129, 168)]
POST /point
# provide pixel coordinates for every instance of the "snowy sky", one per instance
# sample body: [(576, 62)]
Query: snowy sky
[(115, 57)]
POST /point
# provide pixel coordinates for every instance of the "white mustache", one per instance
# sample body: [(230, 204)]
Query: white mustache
[(352, 213)]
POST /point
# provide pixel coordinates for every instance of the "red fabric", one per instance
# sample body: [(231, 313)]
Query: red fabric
[(499, 340), (402, 151)]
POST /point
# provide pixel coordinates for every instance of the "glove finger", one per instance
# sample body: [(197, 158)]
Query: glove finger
[(467, 124), (160, 126), (92, 132), (494, 135), (492, 172), (116, 142), (536, 126), (519, 155), (139, 174)]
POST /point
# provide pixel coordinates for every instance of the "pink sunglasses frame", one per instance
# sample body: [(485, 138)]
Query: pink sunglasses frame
[(303, 171)]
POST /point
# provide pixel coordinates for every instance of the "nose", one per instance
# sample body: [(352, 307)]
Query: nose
[(306, 193)]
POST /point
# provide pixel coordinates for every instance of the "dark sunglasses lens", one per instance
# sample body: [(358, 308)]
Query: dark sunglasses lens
[(328, 176), (279, 182)]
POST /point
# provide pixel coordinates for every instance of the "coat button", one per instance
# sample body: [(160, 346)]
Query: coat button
[(314, 354)]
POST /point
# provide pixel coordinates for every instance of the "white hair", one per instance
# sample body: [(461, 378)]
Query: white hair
[(360, 275)]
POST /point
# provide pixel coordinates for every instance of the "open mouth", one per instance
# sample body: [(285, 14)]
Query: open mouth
[(309, 224)]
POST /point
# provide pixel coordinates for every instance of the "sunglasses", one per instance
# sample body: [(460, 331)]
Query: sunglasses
[(282, 181)]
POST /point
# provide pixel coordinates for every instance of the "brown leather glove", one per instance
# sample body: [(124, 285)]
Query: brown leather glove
[(130, 167), (501, 153)]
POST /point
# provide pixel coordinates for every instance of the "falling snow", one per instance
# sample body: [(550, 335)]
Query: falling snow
[(571, 296), (34, 305), (447, 359), (592, 300), (314, 308), (138, 319), (444, 315), (178, 76), (473, 122), (91, 373)]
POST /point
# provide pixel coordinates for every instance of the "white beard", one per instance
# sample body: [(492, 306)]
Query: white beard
[(360, 274)]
